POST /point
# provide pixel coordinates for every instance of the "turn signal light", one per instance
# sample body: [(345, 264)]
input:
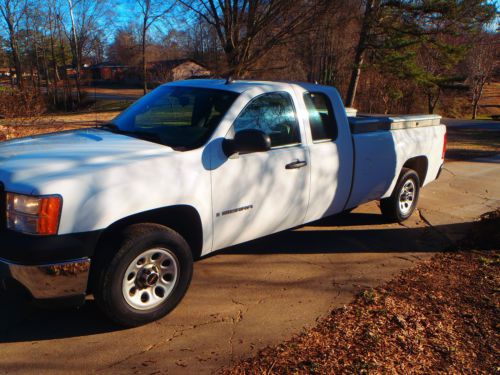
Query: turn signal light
[(32, 214)]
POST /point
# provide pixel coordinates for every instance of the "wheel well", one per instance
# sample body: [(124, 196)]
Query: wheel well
[(184, 219), (419, 164)]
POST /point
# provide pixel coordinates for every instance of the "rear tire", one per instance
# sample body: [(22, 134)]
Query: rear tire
[(147, 277), (403, 201)]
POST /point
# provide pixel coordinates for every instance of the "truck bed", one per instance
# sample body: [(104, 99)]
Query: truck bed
[(382, 144)]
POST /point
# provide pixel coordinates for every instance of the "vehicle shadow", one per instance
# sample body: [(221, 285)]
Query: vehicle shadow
[(330, 236), (21, 321)]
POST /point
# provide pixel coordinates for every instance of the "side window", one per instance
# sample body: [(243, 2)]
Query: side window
[(321, 117), (274, 114)]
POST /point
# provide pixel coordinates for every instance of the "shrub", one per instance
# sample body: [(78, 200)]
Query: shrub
[(21, 104)]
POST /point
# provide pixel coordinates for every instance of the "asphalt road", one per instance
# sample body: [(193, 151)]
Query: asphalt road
[(253, 295), (105, 96), (472, 124)]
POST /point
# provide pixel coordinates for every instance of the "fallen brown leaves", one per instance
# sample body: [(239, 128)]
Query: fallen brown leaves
[(442, 316), (12, 132), (25, 127)]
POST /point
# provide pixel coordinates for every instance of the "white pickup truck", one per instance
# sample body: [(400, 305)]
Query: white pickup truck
[(120, 211)]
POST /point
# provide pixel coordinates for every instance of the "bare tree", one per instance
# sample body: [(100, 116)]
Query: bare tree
[(75, 49), (84, 21), (249, 29), (51, 31), (480, 65), (202, 44), (125, 48), (371, 9), (151, 12), (326, 50), (12, 12), (67, 95)]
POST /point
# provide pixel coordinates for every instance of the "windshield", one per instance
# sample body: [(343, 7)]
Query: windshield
[(179, 117)]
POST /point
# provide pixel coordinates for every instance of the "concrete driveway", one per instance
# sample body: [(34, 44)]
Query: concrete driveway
[(256, 294)]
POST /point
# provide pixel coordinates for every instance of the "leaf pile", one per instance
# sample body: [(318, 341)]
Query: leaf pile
[(441, 316), (18, 131)]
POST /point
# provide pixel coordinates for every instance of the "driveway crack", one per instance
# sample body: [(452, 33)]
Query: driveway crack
[(177, 333), (430, 225), (234, 323)]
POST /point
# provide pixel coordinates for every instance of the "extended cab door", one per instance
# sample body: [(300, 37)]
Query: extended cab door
[(330, 150), (260, 193)]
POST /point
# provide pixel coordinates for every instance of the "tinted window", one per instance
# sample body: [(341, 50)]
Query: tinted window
[(274, 114), (321, 117), (181, 117)]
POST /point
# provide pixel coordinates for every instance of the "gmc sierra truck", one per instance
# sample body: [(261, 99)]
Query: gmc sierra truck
[(121, 210)]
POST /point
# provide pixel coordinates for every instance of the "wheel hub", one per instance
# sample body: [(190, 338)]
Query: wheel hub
[(407, 197), (150, 278)]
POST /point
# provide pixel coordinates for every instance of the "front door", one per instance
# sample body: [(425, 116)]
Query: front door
[(261, 193)]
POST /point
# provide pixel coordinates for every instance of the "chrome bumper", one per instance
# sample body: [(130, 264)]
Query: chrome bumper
[(59, 280)]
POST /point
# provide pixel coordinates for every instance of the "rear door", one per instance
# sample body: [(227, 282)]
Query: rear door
[(331, 152), (261, 193)]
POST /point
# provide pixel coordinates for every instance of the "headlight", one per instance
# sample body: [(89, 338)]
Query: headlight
[(33, 215)]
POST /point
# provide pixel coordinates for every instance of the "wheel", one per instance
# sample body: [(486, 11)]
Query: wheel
[(147, 277), (403, 201)]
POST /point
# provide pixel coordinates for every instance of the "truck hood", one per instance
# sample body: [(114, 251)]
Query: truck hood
[(23, 162)]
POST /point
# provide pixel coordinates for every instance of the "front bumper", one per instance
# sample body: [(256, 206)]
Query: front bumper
[(53, 268), (26, 249), (50, 281)]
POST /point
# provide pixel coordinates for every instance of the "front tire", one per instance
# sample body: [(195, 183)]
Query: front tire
[(403, 201), (147, 277)]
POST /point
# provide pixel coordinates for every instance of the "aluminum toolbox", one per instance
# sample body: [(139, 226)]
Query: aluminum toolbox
[(373, 123)]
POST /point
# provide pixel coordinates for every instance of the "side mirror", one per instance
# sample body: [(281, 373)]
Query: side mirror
[(247, 141)]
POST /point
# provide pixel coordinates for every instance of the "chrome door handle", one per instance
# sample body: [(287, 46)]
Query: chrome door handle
[(296, 164)]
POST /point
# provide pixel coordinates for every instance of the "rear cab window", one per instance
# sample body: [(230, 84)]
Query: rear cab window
[(321, 117)]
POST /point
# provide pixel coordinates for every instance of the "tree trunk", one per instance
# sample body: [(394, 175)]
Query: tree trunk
[(355, 74), (432, 100), (360, 54), (54, 61), (476, 96), (11, 78), (64, 72), (15, 54), (474, 109), (234, 61), (54, 73), (144, 63), (76, 55), (46, 71)]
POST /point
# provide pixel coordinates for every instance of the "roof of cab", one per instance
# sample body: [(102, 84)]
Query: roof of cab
[(238, 86)]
